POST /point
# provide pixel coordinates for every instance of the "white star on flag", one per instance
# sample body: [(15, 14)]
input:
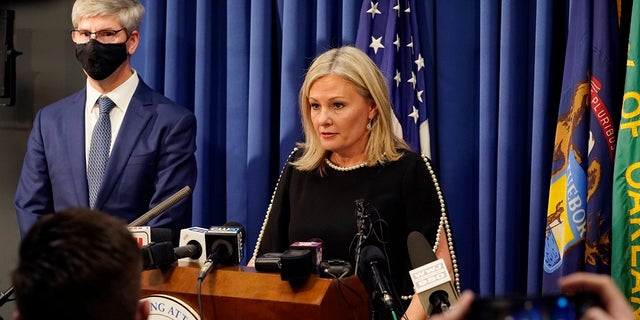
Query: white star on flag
[(387, 23), (376, 43), (414, 114), (374, 10)]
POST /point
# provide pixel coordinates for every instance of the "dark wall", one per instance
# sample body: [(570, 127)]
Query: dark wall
[(46, 71)]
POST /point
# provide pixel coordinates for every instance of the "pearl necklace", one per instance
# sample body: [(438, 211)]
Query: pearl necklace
[(339, 168), (444, 220)]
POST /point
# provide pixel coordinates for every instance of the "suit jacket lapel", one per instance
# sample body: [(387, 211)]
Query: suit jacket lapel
[(73, 131), (134, 122)]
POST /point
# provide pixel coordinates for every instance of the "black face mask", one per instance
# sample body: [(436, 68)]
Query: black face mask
[(100, 60)]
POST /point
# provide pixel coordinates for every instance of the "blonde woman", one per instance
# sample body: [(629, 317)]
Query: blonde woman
[(352, 162)]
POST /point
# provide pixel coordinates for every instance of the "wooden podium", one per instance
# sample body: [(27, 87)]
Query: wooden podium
[(243, 293)]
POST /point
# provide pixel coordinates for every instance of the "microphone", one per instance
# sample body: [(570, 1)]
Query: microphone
[(315, 248), (373, 260), (430, 276), (294, 265), (227, 246), (161, 207), (191, 250), (157, 255), (145, 235), (199, 236), (5, 296), (163, 254)]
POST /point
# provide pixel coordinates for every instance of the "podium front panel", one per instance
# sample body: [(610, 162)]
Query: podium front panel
[(243, 293)]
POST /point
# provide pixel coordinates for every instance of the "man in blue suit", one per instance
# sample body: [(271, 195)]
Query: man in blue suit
[(124, 163)]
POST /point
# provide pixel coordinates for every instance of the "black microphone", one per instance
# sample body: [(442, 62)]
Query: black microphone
[(226, 245), (430, 276), (161, 207), (157, 255), (374, 261), (163, 254), (155, 246), (191, 250), (294, 265)]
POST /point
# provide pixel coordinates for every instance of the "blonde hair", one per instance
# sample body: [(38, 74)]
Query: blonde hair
[(356, 67), (129, 12)]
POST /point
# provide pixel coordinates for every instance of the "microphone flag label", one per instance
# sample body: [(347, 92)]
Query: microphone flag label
[(429, 276), (141, 234)]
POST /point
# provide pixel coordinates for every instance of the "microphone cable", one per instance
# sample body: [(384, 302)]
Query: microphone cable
[(199, 294)]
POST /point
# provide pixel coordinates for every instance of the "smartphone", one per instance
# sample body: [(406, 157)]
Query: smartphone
[(532, 307)]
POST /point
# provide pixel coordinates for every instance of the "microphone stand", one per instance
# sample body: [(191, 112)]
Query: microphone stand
[(361, 222), (5, 296)]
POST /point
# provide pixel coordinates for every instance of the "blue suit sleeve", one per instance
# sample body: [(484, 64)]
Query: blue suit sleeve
[(176, 169), (33, 196)]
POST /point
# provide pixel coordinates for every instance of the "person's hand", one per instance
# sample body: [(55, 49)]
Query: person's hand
[(459, 310), (614, 303)]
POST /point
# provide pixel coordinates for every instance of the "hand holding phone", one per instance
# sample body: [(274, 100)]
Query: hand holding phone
[(593, 296), (533, 307), (613, 304)]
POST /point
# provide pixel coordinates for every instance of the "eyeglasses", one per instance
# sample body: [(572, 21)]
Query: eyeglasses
[(103, 36)]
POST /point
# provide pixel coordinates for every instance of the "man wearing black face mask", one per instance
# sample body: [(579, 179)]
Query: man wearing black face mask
[(115, 146)]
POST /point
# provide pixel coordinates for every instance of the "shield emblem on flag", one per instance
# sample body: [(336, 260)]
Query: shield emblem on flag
[(565, 224)]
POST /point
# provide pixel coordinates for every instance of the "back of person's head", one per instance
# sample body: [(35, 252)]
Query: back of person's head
[(78, 264), (129, 12), (355, 66)]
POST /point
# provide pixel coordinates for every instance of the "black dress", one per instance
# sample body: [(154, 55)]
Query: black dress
[(401, 195)]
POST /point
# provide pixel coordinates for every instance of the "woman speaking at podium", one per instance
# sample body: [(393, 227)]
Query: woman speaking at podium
[(350, 158)]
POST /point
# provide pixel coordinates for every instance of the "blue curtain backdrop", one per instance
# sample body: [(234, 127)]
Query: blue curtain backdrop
[(494, 71)]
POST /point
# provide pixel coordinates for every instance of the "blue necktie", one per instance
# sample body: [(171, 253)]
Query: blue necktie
[(99, 149)]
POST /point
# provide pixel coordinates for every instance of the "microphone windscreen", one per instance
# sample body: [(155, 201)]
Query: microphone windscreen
[(296, 266), (235, 224), (157, 255), (370, 254), (161, 235), (161, 207), (420, 251)]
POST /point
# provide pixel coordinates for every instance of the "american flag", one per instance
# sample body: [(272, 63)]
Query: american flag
[(388, 33)]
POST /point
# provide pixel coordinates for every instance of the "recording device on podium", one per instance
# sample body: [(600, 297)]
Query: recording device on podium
[(430, 277), (295, 264)]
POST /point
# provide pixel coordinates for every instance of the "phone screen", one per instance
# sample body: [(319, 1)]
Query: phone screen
[(531, 308)]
